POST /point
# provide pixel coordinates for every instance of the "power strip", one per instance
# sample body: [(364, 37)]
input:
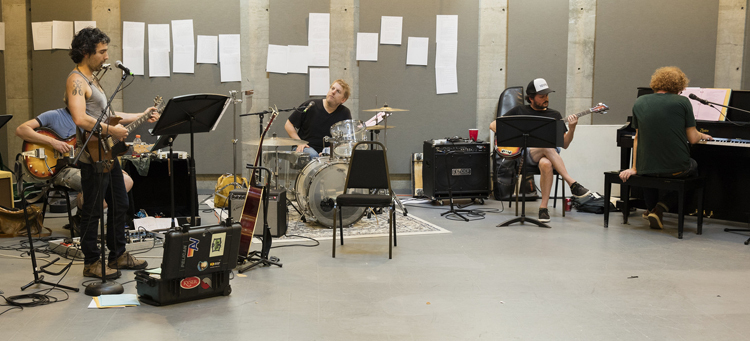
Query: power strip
[(73, 250)]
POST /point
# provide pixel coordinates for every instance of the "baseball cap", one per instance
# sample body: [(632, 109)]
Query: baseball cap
[(538, 86)]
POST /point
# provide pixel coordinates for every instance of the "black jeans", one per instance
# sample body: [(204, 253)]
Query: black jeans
[(117, 204), (652, 196)]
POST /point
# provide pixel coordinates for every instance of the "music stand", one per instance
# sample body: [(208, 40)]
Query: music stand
[(190, 114), (528, 131), (4, 119)]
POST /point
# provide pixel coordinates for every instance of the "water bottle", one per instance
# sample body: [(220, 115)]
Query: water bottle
[(136, 144)]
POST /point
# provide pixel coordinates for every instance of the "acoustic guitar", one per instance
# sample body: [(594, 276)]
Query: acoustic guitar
[(252, 204), (43, 162), (513, 152), (112, 147)]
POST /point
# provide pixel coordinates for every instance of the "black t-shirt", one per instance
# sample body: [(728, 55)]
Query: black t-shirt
[(528, 110), (316, 123)]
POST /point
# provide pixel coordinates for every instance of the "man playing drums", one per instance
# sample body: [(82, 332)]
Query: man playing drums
[(314, 122)]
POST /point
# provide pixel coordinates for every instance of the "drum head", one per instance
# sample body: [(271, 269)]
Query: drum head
[(347, 129), (318, 185)]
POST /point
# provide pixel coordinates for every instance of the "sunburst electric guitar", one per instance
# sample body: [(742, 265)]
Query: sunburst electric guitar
[(513, 152), (41, 160), (112, 147)]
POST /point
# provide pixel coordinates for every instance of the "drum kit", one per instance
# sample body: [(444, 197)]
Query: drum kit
[(319, 181)]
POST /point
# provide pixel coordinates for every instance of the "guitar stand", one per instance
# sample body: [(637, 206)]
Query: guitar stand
[(261, 258), (38, 279)]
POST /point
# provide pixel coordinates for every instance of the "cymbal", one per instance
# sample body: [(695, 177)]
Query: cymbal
[(380, 127), (386, 109), (277, 142)]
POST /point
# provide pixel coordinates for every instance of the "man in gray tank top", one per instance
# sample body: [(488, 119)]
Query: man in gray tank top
[(86, 100)]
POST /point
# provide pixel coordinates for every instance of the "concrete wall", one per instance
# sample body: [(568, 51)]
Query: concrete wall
[(3, 130)]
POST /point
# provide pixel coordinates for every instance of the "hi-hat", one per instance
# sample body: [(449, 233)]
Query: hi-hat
[(277, 142), (386, 109), (380, 127)]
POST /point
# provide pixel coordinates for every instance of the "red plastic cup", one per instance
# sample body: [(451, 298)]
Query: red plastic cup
[(473, 134)]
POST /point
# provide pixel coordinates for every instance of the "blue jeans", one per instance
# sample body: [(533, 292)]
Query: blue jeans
[(117, 202), (313, 153)]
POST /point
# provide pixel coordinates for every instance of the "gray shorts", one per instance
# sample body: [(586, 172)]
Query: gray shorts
[(531, 162), (69, 177)]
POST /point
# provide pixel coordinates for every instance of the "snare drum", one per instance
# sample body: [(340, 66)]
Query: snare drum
[(317, 187), (344, 135)]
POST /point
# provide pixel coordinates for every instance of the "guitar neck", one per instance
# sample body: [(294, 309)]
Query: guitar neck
[(582, 113)]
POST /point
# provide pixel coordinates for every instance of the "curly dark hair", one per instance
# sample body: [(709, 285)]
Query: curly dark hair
[(85, 43), (670, 79)]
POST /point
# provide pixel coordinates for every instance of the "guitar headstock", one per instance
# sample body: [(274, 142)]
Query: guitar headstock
[(159, 103), (600, 108)]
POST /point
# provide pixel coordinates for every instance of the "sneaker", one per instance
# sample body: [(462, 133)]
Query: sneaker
[(95, 270), (645, 214), (543, 215), (128, 262), (656, 215), (578, 190)]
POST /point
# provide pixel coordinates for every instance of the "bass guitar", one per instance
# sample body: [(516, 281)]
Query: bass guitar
[(43, 162), (252, 204), (112, 147), (513, 152)]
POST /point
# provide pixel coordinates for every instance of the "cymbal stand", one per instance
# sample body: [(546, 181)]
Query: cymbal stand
[(385, 140)]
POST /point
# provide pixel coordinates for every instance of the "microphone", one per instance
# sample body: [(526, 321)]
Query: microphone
[(309, 105), (123, 68), (696, 98)]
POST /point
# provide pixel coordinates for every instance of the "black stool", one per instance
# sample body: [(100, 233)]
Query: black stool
[(671, 184), (57, 190)]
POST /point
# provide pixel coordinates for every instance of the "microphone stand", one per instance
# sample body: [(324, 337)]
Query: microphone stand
[(709, 103), (104, 287)]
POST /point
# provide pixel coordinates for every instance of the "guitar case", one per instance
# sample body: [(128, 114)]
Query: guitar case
[(504, 169)]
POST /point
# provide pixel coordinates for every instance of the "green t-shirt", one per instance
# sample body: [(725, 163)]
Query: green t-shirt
[(661, 120)]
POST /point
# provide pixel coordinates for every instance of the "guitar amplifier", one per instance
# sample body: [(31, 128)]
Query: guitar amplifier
[(6, 189), (463, 166), (277, 211)]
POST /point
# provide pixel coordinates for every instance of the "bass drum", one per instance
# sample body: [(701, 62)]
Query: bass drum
[(317, 187)]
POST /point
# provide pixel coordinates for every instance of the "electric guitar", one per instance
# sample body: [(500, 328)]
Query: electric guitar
[(112, 147), (513, 152), (252, 205), (43, 162)]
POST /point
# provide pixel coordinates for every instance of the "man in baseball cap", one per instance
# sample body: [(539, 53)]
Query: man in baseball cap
[(547, 159)]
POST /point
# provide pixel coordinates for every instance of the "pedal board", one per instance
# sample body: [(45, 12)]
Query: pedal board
[(136, 242)]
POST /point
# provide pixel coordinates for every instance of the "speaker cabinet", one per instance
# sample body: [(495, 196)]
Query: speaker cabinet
[(277, 211), (6, 189), (463, 166)]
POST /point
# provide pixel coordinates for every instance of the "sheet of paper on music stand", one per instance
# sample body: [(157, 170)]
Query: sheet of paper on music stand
[(446, 54), (319, 81), (133, 45), (229, 57), (446, 80), (2, 36), (416, 51), (367, 46), (183, 57), (79, 25), (319, 52), (42, 34), (62, 34), (446, 28), (276, 60), (297, 59), (390, 30), (705, 112), (208, 49)]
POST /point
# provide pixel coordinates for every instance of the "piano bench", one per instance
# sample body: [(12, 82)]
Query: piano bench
[(681, 186)]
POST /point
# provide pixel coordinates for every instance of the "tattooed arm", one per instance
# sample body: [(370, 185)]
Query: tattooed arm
[(76, 93)]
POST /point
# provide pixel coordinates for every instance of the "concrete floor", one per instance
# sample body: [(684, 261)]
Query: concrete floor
[(575, 281)]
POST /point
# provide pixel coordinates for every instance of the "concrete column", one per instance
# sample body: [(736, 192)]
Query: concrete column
[(493, 57), (17, 55), (254, 35), (343, 63), (580, 74), (730, 44), (106, 13)]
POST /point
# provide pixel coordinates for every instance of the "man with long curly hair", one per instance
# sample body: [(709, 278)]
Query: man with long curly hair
[(664, 127), (86, 100)]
